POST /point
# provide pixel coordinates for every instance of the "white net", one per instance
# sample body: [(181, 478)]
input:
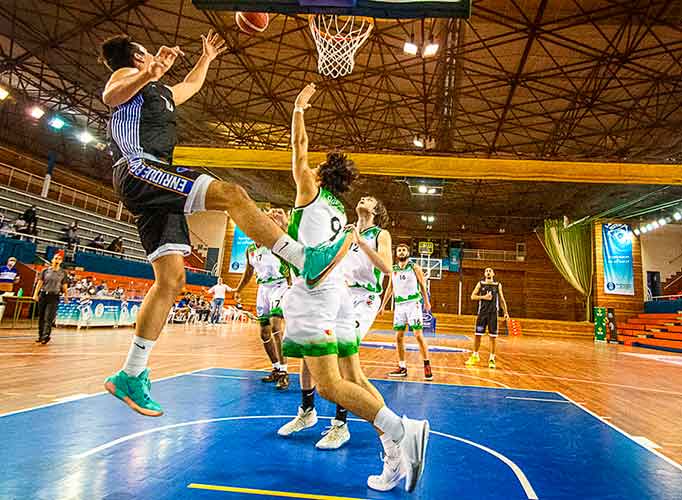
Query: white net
[(337, 40)]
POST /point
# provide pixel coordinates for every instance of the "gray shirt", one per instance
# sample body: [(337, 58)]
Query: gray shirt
[(53, 281)]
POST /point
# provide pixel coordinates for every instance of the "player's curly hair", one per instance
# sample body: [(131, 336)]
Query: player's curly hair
[(337, 173), (118, 52), (381, 217)]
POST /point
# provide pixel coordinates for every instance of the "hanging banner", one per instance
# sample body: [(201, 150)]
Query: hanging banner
[(238, 255), (455, 260), (619, 277)]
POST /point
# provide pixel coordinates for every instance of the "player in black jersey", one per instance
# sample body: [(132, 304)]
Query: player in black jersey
[(142, 130), (489, 294)]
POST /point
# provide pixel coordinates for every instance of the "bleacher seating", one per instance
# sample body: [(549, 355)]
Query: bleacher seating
[(54, 216), (654, 331)]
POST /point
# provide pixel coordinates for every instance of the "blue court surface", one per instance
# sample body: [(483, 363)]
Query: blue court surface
[(218, 441)]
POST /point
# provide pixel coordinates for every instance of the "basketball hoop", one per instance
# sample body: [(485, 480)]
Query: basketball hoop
[(337, 40)]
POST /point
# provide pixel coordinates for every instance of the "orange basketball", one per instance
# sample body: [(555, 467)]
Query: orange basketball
[(252, 22)]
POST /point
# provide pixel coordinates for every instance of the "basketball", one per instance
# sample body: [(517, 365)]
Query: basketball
[(252, 22)]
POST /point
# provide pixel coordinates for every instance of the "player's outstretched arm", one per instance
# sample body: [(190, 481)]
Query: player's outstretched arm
[(124, 83), (306, 185), (213, 46)]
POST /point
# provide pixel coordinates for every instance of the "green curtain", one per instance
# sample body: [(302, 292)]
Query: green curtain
[(570, 250)]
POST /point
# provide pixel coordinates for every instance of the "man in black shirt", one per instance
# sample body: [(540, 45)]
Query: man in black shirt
[(489, 294)]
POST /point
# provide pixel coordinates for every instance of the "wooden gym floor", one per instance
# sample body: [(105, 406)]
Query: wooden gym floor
[(637, 390)]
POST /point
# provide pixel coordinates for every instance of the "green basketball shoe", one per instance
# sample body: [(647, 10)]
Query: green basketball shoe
[(322, 259), (134, 391)]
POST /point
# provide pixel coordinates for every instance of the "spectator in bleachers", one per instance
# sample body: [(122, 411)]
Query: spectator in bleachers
[(5, 227), (102, 290), (70, 236), (20, 226), (203, 309), (116, 245), (8, 275), (31, 218), (97, 242)]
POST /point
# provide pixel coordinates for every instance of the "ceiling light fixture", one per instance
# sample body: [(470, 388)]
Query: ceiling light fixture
[(430, 49), (36, 112)]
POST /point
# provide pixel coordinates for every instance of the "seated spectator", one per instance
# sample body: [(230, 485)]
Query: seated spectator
[(102, 290), (97, 242), (8, 275), (31, 219), (203, 309), (20, 226), (70, 236), (5, 227), (116, 245)]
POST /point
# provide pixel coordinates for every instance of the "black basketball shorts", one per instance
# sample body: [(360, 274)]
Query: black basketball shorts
[(160, 196), (488, 320)]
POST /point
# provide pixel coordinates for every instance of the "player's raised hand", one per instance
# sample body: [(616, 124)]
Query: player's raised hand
[(213, 45), (304, 96)]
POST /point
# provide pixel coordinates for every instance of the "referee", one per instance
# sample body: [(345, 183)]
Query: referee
[(51, 282)]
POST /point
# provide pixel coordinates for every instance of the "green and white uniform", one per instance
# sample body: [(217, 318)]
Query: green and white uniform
[(407, 298), (365, 282), (271, 276), (319, 321)]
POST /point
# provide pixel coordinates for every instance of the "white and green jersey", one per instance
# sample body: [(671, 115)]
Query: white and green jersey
[(268, 267), (358, 268), (320, 221), (405, 284)]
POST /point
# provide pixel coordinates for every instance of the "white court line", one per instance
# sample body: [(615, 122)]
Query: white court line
[(568, 379), (624, 433), (539, 399), (525, 484), (502, 385), (216, 376), (66, 400)]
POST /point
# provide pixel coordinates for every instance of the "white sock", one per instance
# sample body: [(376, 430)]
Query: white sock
[(138, 355), (390, 424), (283, 367), (275, 366), (290, 250), (402, 364), (390, 447), (492, 356)]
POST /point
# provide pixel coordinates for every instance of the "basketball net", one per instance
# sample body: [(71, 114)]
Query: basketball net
[(337, 40)]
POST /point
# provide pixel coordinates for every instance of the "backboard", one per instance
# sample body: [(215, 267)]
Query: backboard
[(433, 268), (386, 9)]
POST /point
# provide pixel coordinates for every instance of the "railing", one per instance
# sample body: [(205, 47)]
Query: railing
[(76, 248), (499, 255), (668, 285), (667, 297), (32, 183)]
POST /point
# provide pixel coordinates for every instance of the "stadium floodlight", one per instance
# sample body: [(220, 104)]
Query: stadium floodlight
[(422, 189), (643, 229), (662, 221), (85, 137), (636, 231), (36, 112), (677, 216), (430, 49), (56, 123), (410, 48), (4, 93), (418, 142)]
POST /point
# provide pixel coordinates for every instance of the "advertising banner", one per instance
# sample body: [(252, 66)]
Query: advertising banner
[(619, 277), (238, 254)]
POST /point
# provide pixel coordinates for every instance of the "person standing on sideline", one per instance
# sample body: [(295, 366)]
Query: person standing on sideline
[(489, 294), (31, 219), (52, 281), (408, 287), (218, 291)]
